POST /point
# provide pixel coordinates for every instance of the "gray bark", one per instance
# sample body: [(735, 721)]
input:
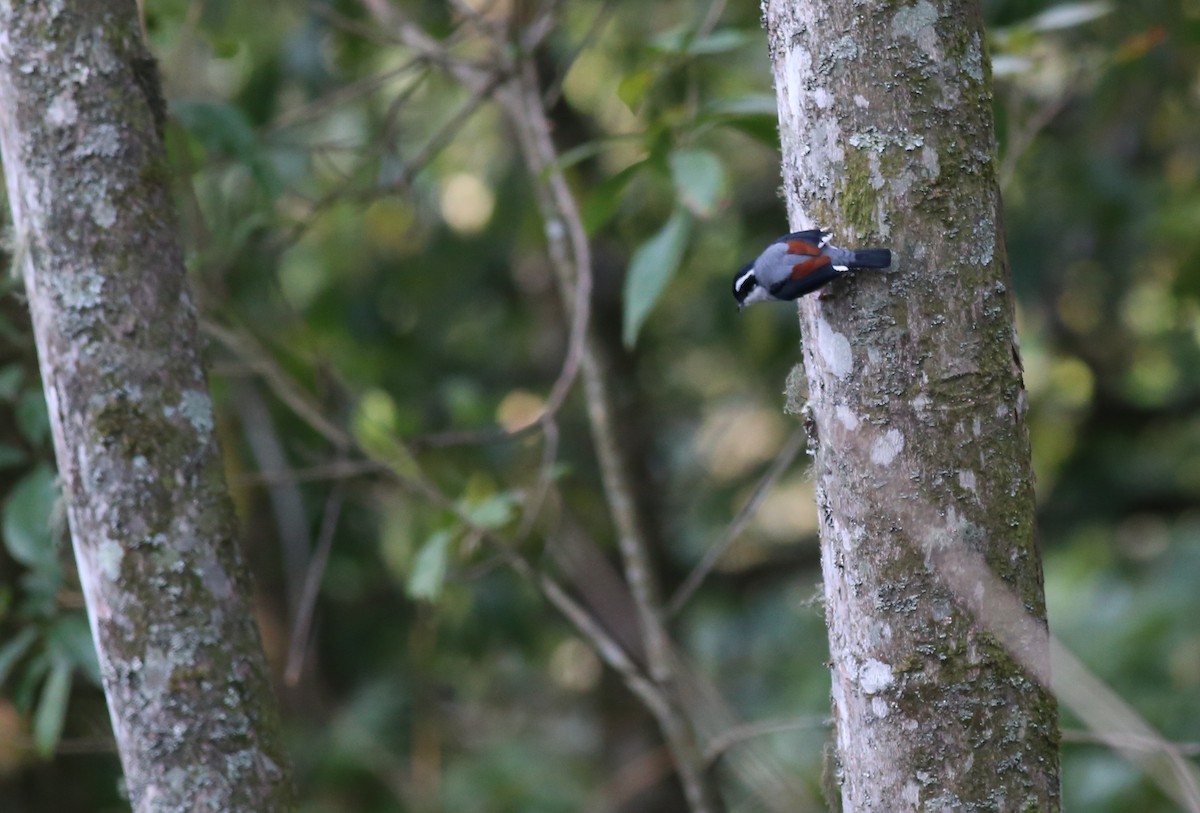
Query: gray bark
[(922, 458), (153, 528)]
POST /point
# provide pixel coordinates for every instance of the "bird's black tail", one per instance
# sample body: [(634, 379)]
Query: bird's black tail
[(871, 258)]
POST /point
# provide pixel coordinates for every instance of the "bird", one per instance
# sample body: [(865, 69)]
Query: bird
[(800, 263)]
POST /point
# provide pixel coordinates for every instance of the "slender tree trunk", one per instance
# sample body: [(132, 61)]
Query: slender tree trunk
[(917, 406), (154, 532)]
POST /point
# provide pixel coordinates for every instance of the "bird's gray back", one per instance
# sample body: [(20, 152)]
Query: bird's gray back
[(774, 265)]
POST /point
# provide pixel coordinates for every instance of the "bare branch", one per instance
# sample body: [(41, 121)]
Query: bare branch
[(248, 350), (570, 256), (285, 497), (1106, 715), (782, 461), (731, 737), (302, 622)]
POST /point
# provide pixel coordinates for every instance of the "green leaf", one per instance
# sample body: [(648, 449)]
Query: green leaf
[(755, 115), (374, 427), (1069, 15), (32, 419), (225, 130), (633, 88), (699, 178), (14, 650), (681, 41), (11, 456), (27, 520), (605, 200), (650, 269), (588, 149), (721, 41), (70, 639), (10, 381), (52, 709), (753, 104), (763, 129), (429, 568), (8, 331), (493, 512)]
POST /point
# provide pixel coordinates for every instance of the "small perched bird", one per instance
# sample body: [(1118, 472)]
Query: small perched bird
[(800, 263)]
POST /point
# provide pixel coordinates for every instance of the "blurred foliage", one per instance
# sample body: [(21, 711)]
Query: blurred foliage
[(372, 226)]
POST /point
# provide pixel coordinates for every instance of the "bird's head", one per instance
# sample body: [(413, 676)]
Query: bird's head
[(746, 289)]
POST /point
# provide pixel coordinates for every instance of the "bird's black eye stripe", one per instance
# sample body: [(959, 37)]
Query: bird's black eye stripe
[(743, 283)]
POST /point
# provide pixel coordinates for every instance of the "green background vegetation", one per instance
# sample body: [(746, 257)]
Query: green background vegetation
[(386, 254)]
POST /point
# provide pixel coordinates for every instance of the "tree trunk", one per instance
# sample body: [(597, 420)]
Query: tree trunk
[(154, 531), (917, 408)]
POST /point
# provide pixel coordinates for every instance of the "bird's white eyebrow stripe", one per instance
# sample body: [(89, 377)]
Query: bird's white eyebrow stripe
[(743, 278)]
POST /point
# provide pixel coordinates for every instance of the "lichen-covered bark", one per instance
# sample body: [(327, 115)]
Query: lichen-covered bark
[(917, 406), (154, 531)]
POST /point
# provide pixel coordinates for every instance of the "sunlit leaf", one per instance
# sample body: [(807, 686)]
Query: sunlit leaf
[(494, 512), (1070, 15), (699, 179), (27, 520), (374, 427), (1004, 65), (633, 88), (52, 709), (429, 568), (653, 265)]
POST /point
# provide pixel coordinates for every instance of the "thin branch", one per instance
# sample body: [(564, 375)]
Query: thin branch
[(554, 87), (533, 505), (302, 624), (1132, 741), (571, 259), (473, 437), (711, 17), (1002, 613), (445, 134), (1021, 136), (438, 53), (285, 497), (737, 735), (757, 767), (375, 34), (343, 95), (337, 470), (631, 779), (714, 554), (249, 352), (570, 251)]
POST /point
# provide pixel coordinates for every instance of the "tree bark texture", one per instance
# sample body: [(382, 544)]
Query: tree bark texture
[(922, 458), (154, 531)]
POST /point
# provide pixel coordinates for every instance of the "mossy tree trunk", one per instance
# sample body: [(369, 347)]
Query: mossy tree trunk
[(153, 528), (917, 407)]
